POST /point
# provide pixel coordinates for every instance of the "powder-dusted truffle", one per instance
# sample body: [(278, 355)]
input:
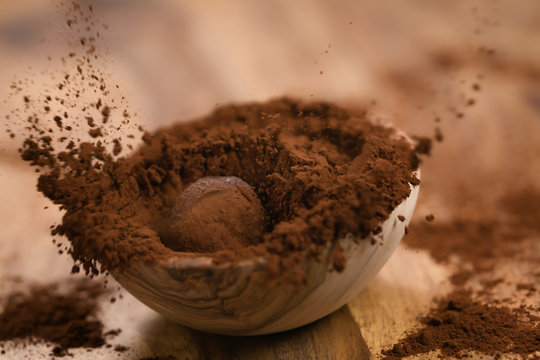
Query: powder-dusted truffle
[(215, 213)]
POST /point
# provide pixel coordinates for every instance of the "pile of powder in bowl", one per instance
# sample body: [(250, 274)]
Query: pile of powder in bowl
[(288, 178)]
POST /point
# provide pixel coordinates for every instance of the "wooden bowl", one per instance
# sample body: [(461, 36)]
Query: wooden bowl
[(240, 299)]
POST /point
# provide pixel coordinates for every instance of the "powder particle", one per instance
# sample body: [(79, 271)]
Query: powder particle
[(423, 145), (67, 319), (58, 121), (319, 172), (117, 149), (439, 137), (90, 121), (95, 132), (106, 113), (121, 348), (113, 332), (215, 213)]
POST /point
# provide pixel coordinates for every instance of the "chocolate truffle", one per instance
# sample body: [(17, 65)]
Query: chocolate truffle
[(215, 213)]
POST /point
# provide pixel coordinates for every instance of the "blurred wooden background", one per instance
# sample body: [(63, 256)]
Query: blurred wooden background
[(408, 62)]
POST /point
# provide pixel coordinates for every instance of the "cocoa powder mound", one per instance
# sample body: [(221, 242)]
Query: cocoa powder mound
[(66, 319), (319, 171), (459, 325)]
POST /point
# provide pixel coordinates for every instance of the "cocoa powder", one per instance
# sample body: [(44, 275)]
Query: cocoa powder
[(67, 319), (319, 171), (459, 325)]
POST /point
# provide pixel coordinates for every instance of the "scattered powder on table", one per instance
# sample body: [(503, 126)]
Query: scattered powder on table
[(458, 325), (468, 319), (319, 171), (67, 319)]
